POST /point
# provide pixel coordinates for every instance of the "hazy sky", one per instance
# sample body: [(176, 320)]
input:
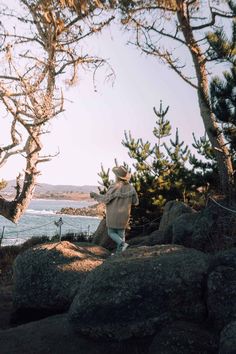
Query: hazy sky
[(92, 127)]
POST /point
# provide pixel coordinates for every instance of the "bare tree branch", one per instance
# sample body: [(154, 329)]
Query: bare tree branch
[(160, 32), (28, 89), (183, 22), (214, 14)]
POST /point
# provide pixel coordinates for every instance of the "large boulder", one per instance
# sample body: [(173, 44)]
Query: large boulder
[(228, 339), (194, 229), (54, 335), (136, 292), (5, 305), (184, 338), (155, 238), (101, 237), (47, 277), (172, 210), (221, 288)]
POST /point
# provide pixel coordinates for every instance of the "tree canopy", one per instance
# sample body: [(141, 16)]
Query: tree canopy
[(42, 43), (222, 88), (166, 170), (160, 28)]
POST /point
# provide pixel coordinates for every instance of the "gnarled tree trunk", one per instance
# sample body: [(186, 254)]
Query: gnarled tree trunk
[(215, 136), (12, 210)]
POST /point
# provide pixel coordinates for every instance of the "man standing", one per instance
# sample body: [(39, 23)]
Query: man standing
[(119, 198)]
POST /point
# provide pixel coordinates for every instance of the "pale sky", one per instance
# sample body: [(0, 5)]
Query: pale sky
[(92, 127)]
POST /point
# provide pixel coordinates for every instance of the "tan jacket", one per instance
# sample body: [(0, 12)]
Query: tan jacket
[(118, 199)]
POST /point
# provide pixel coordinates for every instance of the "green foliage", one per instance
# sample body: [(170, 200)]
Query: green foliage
[(166, 171), (204, 165), (204, 148), (221, 48), (3, 184), (222, 90), (223, 99), (105, 184)]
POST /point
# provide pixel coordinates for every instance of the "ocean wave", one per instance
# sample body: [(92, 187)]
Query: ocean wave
[(78, 216), (12, 242), (40, 212)]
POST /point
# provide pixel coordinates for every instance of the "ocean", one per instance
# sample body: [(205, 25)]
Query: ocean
[(40, 218)]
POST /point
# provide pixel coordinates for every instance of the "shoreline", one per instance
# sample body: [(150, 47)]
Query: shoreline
[(55, 213), (79, 216), (70, 197), (64, 200)]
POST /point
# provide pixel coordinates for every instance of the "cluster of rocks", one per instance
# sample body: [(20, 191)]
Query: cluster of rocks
[(165, 294), (96, 210)]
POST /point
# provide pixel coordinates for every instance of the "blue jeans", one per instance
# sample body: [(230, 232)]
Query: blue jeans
[(117, 235)]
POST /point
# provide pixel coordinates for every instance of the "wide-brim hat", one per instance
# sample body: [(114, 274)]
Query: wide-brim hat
[(121, 172)]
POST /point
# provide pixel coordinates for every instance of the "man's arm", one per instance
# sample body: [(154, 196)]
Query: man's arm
[(104, 198), (98, 197)]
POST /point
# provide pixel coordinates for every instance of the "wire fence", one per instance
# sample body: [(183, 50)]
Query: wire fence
[(13, 237), (222, 206), (16, 236)]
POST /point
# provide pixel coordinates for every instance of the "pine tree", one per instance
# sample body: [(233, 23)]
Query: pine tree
[(224, 104), (160, 28), (3, 184), (223, 90), (204, 165), (105, 183), (161, 171)]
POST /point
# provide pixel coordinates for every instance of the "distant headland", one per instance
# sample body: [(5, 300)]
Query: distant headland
[(50, 191)]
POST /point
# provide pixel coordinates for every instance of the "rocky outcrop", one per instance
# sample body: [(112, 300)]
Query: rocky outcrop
[(47, 277), (182, 225), (228, 339), (155, 238), (96, 210), (151, 299), (194, 230), (137, 292), (101, 238), (221, 289), (184, 338), (172, 210), (54, 335)]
